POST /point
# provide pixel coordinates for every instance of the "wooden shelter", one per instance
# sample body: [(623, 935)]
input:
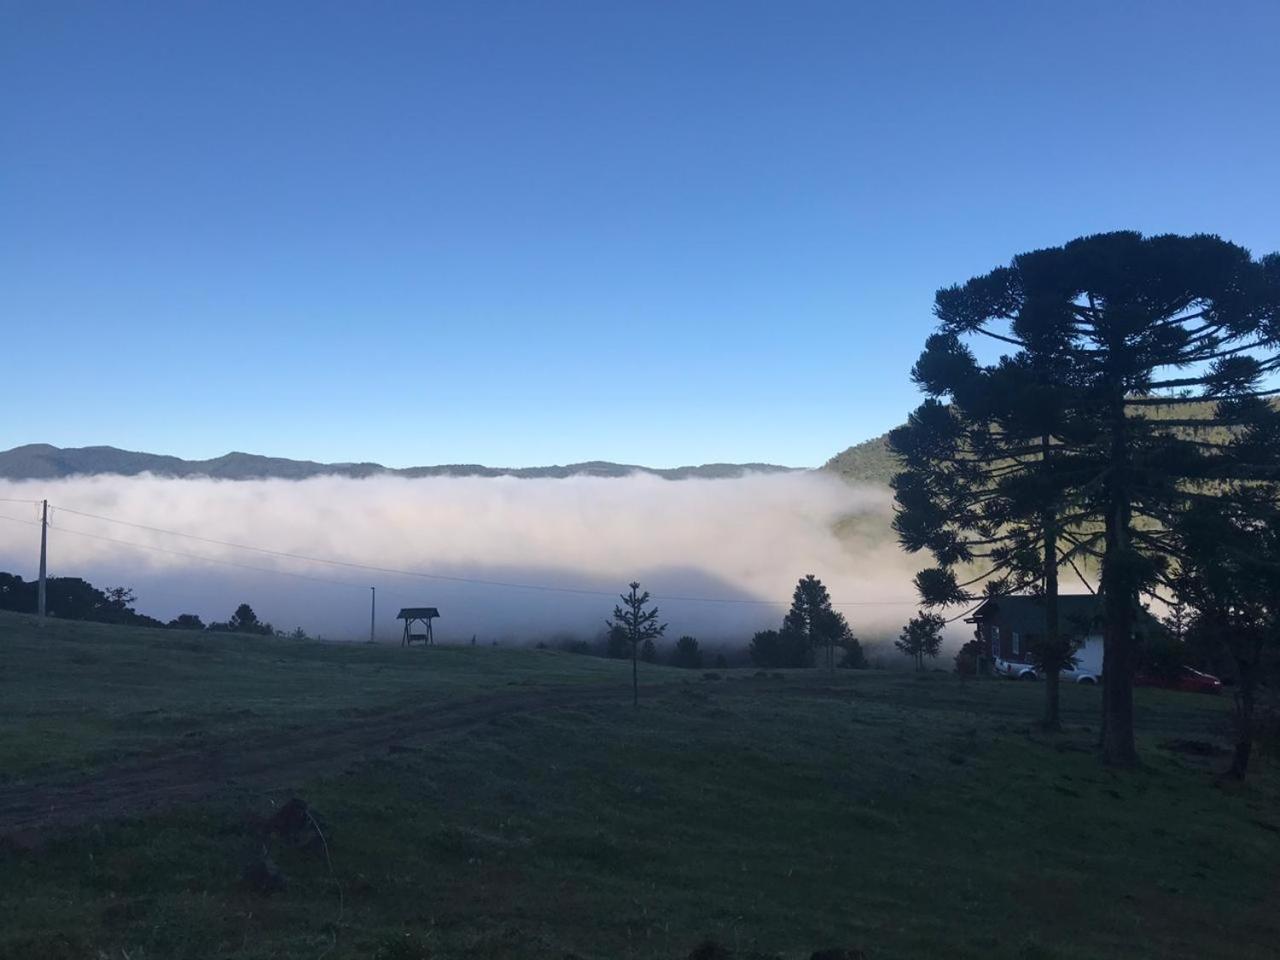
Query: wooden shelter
[(422, 615)]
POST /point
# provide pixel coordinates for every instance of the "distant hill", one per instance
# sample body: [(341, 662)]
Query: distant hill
[(871, 461), (39, 461), (866, 462)]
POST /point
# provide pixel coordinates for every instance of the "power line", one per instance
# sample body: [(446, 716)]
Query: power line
[(208, 559), (478, 581)]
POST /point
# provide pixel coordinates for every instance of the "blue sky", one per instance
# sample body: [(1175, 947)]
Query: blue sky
[(530, 232)]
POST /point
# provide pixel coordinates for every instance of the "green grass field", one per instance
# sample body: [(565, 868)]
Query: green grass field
[(482, 802)]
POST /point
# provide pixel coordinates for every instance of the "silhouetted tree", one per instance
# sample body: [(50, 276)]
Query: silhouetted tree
[(778, 649), (244, 620), (967, 657), (648, 651), (853, 658), (1145, 323), (120, 598), (921, 637), (687, 654), (73, 598), (617, 644), (812, 619), (1229, 575), (721, 662), (987, 478), (640, 625), (186, 621)]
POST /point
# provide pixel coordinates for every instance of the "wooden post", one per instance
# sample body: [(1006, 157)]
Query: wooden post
[(44, 549)]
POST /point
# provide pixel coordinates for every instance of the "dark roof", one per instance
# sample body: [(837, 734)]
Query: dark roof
[(1077, 612), (417, 613)]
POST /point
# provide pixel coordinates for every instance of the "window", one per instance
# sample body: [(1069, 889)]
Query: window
[(995, 640)]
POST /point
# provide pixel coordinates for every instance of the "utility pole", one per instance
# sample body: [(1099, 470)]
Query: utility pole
[(373, 606), (44, 548)]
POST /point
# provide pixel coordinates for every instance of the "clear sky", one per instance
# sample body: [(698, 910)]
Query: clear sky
[(521, 233)]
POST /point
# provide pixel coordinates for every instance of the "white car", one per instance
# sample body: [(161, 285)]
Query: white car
[(1079, 674), (1025, 671), (1018, 671)]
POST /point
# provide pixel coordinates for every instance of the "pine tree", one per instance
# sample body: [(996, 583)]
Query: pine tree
[(640, 625), (921, 637), (985, 483), (812, 620), (1229, 575), (1146, 324)]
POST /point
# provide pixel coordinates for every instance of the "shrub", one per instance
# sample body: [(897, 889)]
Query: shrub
[(853, 657), (967, 658), (780, 648), (687, 654)]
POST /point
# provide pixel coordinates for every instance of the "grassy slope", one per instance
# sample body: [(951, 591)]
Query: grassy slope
[(872, 462), (915, 816), (83, 694)]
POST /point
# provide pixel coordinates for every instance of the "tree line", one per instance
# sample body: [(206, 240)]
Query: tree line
[(1125, 437), (74, 598), (811, 628)]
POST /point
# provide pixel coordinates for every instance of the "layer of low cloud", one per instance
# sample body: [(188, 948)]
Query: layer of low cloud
[(689, 542)]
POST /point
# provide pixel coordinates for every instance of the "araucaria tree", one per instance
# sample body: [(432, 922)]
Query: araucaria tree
[(1145, 325), (640, 626), (985, 482), (921, 637), (812, 619)]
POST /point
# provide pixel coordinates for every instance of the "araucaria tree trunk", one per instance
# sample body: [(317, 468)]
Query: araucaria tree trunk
[(1054, 657), (1119, 598), (1245, 699)]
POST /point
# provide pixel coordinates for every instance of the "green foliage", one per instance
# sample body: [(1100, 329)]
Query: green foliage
[(1229, 575), (868, 462), (72, 598), (851, 656), (812, 619), (779, 649), (921, 637), (244, 620), (967, 658), (617, 643), (1109, 327), (687, 654), (640, 626)]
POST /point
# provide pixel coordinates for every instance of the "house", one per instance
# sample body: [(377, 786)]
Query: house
[(1007, 627)]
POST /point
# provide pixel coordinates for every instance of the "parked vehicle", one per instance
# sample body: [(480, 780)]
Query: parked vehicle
[(1082, 674), (1018, 671), (1186, 679)]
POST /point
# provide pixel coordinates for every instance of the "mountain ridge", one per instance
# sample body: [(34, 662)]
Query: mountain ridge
[(42, 461)]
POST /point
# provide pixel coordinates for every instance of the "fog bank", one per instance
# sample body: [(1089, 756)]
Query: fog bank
[(688, 542)]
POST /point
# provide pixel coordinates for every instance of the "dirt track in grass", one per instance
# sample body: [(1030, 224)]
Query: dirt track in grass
[(268, 761)]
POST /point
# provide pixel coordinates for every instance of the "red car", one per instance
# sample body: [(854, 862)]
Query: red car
[(1186, 679)]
